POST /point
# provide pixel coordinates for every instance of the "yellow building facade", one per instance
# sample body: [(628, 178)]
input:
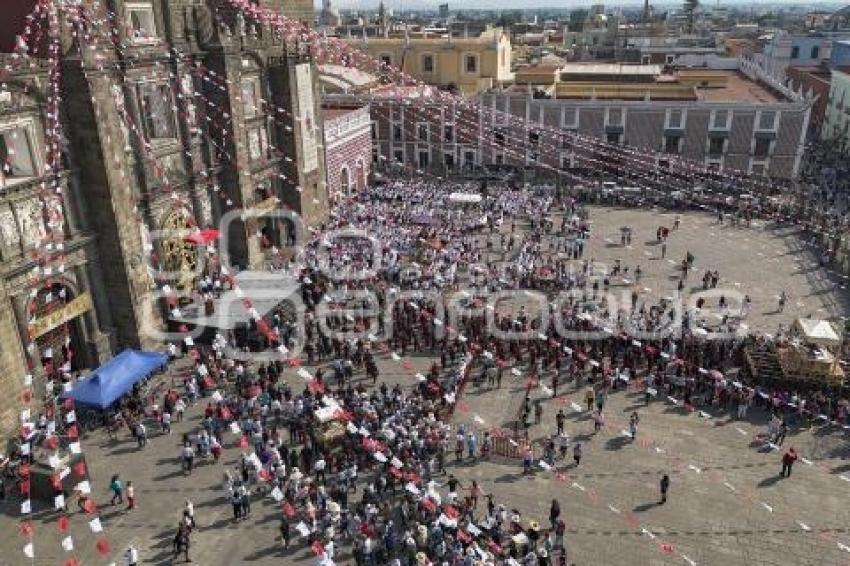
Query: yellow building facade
[(472, 64)]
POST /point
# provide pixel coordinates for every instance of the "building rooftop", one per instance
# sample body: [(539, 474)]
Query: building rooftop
[(728, 86), (333, 113), (610, 69), (488, 35), (709, 85), (349, 75)]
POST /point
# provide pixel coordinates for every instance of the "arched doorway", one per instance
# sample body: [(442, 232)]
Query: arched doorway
[(61, 347), (361, 175), (178, 257), (345, 181)]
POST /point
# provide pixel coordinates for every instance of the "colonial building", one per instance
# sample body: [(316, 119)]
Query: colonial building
[(47, 313), (814, 80), (836, 125), (193, 112), (348, 149), (468, 63), (724, 120)]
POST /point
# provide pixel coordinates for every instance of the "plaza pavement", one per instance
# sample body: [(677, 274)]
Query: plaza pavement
[(727, 505)]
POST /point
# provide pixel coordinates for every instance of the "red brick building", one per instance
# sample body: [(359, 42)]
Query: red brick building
[(348, 149), (815, 79)]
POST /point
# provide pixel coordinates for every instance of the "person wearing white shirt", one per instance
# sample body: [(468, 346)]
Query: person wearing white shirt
[(131, 556)]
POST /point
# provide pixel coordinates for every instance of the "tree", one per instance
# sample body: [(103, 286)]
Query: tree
[(690, 8)]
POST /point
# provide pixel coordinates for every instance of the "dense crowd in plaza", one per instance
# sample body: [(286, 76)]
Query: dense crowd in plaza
[(358, 466)]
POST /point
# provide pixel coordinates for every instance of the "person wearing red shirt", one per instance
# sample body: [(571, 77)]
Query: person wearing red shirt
[(787, 461)]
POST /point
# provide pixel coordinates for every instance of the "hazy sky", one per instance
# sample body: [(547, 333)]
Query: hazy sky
[(531, 4)]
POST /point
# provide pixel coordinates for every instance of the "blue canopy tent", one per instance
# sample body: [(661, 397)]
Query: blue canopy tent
[(115, 378)]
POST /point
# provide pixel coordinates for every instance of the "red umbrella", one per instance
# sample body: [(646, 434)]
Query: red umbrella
[(202, 237)]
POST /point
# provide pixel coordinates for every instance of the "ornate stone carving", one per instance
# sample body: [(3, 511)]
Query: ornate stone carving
[(31, 222), (8, 228)]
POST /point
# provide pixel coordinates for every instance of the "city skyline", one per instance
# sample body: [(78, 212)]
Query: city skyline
[(424, 5)]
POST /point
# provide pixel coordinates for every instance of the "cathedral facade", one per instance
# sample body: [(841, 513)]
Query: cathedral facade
[(175, 114)]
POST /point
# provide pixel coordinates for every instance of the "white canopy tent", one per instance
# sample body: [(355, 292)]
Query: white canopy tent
[(816, 331), (465, 198)]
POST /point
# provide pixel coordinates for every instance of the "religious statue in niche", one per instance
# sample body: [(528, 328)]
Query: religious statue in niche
[(206, 211), (240, 24), (118, 97), (31, 222), (178, 258), (188, 88), (8, 228), (173, 167), (254, 145)]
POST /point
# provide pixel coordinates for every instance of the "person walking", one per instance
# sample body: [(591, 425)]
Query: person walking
[(781, 433), (560, 418), (117, 490), (284, 532), (788, 460), (589, 397), (577, 453), (141, 435), (182, 541), (665, 487), (187, 455), (236, 502), (319, 468), (471, 445), (165, 421), (634, 419), (131, 496), (554, 513), (189, 513), (131, 555), (527, 459), (245, 500), (598, 421)]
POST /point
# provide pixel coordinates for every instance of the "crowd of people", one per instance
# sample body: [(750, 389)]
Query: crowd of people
[(364, 467)]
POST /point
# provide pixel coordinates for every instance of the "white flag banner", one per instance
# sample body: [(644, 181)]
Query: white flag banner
[(277, 494), (67, 544), (29, 551), (303, 529), (26, 507), (95, 525), (59, 502)]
